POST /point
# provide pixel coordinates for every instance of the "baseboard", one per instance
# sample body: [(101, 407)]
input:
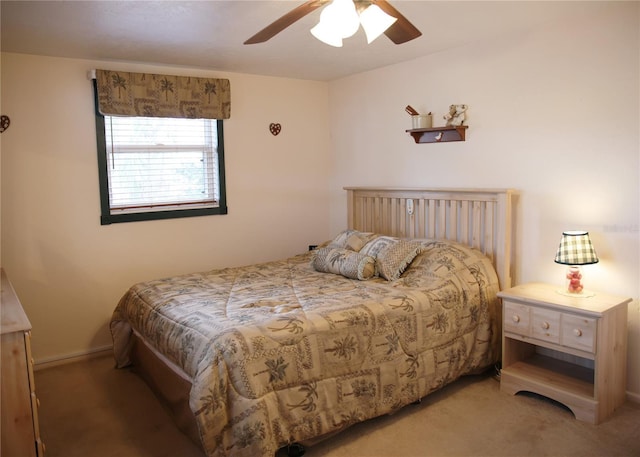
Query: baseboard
[(74, 357), (108, 350)]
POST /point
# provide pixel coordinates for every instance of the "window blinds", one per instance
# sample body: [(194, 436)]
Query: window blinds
[(161, 164)]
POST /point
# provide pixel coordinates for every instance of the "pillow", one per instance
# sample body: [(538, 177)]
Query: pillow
[(392, 255), (376, 245), (349, 264), (352, 239)]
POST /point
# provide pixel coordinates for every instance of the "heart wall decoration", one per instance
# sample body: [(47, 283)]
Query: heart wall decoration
[(275, 128), (4, 123)]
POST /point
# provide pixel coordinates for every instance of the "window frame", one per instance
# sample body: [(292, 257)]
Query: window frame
[(106, 218)]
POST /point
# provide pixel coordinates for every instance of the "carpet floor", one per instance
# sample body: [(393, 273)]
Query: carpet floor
[(89, 408)]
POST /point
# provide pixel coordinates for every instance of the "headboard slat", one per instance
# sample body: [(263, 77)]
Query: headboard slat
[(480, 218)]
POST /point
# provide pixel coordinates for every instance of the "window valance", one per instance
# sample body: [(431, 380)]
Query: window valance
[(143, 94)]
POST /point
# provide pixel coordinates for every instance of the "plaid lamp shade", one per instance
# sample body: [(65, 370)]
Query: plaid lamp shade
[(576, 249)]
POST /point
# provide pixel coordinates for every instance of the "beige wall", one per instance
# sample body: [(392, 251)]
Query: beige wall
[(553, 114), (70, 271)]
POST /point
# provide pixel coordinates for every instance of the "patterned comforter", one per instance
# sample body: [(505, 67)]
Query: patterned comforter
[(280, 353)]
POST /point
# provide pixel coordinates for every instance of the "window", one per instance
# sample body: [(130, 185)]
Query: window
[(159, 168)]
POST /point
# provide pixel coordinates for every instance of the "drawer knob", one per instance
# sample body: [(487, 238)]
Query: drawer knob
[(577, 332), (545, 325), (516, 318)]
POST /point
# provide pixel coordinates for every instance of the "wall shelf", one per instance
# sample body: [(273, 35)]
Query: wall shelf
[(439, 134)]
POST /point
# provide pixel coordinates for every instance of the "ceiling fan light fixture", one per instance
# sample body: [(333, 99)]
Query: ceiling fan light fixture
[(343, 16), (338, 20), (327, 35), (375, 21)]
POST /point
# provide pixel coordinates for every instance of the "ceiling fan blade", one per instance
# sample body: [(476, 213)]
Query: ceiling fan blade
[(285, 21), (400, 31)]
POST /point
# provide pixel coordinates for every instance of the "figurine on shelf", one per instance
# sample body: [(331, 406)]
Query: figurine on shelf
[(456, 115)]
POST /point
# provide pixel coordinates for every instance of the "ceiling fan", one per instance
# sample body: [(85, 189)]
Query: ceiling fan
[(400, 31)]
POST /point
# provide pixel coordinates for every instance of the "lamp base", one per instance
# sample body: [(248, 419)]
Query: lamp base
[(573, 285), (574, 279)]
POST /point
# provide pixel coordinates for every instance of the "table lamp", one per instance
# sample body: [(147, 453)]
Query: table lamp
[(575, 250)]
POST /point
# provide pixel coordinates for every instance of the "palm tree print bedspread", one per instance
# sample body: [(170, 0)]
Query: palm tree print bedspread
[(280, 353)]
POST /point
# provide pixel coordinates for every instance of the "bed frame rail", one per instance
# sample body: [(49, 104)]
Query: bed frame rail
[(480, 218)]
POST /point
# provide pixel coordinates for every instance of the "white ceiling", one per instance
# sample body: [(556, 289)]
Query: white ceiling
[(209, 34)]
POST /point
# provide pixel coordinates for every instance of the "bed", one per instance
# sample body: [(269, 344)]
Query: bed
[(399, 304)]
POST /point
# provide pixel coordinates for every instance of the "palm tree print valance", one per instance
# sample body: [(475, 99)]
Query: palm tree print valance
[(143, 94)]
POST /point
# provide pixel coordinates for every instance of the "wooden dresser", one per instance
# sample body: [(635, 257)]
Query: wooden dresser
[(19, 405)]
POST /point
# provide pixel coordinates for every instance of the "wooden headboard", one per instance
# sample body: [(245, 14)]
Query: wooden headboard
[(480, 218)]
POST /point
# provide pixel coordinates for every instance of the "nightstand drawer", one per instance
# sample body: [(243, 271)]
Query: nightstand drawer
[(579, 332), (516, 318), (545, 325)]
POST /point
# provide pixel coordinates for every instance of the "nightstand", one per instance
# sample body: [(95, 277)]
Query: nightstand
[(570, 349)]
